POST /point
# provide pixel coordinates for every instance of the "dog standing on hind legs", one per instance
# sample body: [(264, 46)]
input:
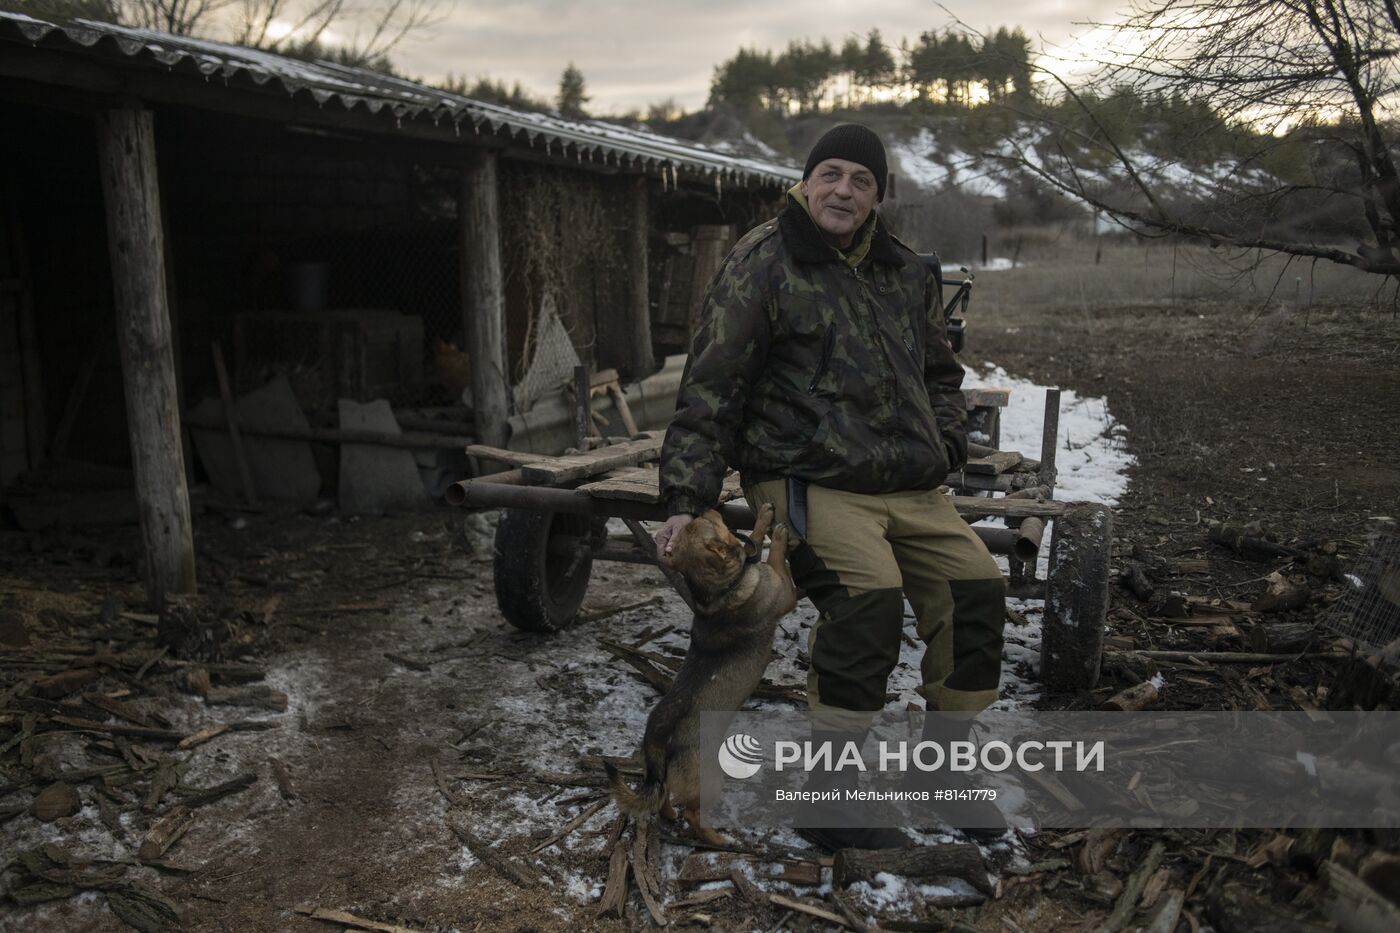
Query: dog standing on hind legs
[(738, 602)]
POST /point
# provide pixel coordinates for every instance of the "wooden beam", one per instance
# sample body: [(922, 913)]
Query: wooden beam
[(643, 358), (127, 163), (484, 297)]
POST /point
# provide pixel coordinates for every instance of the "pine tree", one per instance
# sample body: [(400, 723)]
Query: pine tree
[(571, 94)]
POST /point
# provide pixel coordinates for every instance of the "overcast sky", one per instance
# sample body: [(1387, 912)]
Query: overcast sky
[(636, 52)]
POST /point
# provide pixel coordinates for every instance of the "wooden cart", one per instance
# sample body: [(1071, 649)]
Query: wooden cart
[(556, 511)]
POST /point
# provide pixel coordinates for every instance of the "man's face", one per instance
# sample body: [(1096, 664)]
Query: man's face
[(840, 195)]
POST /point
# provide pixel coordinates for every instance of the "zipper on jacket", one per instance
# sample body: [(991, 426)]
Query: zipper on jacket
[(828, 343)]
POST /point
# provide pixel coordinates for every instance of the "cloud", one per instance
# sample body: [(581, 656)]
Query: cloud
[(633, 54)]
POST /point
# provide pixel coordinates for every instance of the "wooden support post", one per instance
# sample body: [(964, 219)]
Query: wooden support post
[(643, 358), (127, 162), (484, 297), (1049, 438), (583, 406)]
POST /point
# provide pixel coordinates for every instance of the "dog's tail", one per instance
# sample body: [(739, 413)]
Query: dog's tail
[(651, 794)]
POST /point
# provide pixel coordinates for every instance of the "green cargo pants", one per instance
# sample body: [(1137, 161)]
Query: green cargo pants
[(862, 556)]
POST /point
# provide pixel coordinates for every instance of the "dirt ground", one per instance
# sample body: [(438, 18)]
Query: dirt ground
[(412, 708)]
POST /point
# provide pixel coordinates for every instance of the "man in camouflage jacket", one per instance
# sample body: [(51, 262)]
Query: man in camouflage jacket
[(821, 360)]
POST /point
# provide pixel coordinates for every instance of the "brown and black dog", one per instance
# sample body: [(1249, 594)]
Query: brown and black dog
[(738, 603)]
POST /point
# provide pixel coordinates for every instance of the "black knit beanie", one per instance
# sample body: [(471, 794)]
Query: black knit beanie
[(854, 143)]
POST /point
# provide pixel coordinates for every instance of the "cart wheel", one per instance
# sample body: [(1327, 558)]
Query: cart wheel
[(537, 590), (1076, 598)]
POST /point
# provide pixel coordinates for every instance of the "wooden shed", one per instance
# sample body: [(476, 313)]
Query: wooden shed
[(171, 206)]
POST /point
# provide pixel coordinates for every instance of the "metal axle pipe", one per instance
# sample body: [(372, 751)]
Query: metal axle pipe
[(490, 493)]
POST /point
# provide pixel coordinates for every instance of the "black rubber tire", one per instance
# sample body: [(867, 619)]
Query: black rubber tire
[(1076, 598), (537, 592)]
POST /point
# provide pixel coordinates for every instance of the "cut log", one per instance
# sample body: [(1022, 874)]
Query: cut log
[(1134, 698), (1282, 595), (1281, 637), (1249, 546), (955, 860), (165, 832)]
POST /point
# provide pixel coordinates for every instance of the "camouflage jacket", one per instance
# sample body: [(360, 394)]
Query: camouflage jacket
[(803, 366)]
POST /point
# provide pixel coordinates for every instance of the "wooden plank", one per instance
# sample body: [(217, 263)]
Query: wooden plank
[(643, 485), (989, 398), (624, 489), (582, 466), (513, 457), (1003, 461), (127, 160), (1014, 508)]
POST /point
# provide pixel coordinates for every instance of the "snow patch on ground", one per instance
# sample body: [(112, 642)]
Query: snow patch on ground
[(1091, 457), (932, 167)]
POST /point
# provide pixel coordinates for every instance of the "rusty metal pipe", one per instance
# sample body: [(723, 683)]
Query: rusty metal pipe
[(1028, 538), (456, 494), (997, 540), (484, 494), (498, 492)]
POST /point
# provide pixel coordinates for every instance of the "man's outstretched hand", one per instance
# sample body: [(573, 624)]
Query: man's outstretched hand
[(666, 535)]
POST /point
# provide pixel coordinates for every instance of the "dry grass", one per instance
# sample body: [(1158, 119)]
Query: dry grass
[(1061, 272)]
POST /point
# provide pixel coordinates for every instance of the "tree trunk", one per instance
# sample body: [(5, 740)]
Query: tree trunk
[(483, 297), (127, 156)]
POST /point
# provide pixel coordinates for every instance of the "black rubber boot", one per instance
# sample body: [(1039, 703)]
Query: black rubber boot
[(822, 822), (977, 818)]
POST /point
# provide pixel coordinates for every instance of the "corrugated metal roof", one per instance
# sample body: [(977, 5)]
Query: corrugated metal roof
[(360, 88)]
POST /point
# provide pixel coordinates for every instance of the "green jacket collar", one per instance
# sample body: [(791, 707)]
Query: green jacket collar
[(806, 243)]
